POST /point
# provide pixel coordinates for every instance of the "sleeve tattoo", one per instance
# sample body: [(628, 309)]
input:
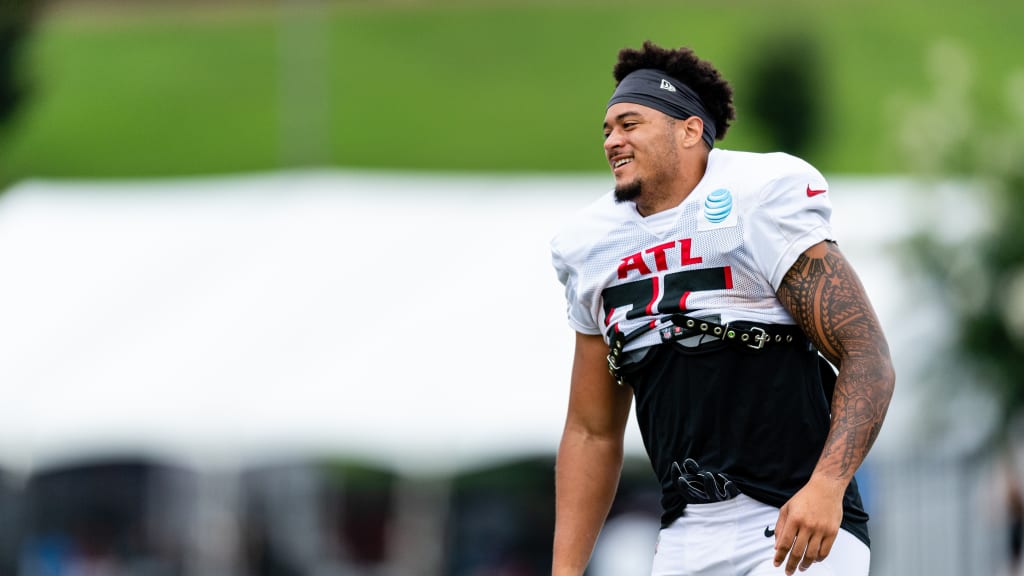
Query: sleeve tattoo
[(825, 297)]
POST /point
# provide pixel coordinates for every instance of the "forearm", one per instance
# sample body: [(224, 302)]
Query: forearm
[(861, 399), (586, 478)]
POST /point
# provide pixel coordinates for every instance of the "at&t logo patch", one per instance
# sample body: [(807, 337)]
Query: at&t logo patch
[(718, 210)]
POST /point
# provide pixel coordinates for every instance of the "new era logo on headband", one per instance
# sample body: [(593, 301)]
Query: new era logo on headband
[(666, 85)]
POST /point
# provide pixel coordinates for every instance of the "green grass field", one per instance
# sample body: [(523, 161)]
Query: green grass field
[(458, 86)]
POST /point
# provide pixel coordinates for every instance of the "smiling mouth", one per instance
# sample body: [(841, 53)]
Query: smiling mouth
[(621, 162)]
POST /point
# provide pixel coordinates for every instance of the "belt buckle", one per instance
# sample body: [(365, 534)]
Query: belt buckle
[(761, 337), (613, 366), (613, 369)]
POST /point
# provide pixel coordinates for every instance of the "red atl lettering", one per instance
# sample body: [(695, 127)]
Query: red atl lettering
[(633, 262), (659, 255), (686, 259), (636, 261)]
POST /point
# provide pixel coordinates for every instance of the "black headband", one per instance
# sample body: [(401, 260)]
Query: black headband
[(665, 94)]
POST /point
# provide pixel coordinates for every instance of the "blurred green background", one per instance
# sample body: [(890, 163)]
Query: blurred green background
[(151, 89)]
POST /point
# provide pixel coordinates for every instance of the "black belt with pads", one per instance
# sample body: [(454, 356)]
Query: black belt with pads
[(680, 326)]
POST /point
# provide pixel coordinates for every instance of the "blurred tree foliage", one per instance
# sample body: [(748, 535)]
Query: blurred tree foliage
[(981, 280), (16, 18), (784, 80), (982, 283)]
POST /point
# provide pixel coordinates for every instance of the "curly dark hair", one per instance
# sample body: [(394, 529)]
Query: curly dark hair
[(685, 66)]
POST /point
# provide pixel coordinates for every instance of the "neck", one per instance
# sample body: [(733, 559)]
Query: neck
[(661, 196)]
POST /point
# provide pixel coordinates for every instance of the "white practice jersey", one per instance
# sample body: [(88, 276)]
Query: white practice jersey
[(722, 253)]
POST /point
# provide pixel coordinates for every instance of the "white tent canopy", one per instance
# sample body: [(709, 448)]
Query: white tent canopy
[(414, 319)]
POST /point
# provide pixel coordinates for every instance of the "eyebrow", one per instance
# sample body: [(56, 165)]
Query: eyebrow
[(623, 116)]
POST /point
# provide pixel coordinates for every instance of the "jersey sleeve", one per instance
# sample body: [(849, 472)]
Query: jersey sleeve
[(578, 312), (793, 214)]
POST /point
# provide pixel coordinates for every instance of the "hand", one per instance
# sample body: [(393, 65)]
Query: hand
[(808, 524)]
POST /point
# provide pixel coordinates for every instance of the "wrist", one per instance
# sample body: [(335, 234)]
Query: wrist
[(561, 568), (832, 484)]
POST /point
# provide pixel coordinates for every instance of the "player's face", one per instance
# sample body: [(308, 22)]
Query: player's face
[(640, 145)]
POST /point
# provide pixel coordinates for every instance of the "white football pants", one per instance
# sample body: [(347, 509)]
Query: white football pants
[(729, 539)]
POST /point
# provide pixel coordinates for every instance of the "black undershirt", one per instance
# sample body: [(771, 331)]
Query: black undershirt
[(760, 417)]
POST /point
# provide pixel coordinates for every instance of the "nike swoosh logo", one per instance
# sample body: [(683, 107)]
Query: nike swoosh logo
[(812, 193), (768, 533)]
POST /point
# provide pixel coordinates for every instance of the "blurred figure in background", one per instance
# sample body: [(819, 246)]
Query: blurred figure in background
[(1016, 509), (1011, 500)]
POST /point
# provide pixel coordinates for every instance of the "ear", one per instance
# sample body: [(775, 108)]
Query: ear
[(691, 131)]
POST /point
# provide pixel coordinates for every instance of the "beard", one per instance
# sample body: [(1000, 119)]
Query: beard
[(629, 191)]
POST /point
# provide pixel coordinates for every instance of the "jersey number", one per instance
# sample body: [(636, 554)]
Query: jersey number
[(648, 297)]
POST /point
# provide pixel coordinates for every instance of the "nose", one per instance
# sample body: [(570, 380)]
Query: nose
[(613, 140)]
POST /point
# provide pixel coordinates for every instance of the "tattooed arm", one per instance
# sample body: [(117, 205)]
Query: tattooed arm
[(823, 294)]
